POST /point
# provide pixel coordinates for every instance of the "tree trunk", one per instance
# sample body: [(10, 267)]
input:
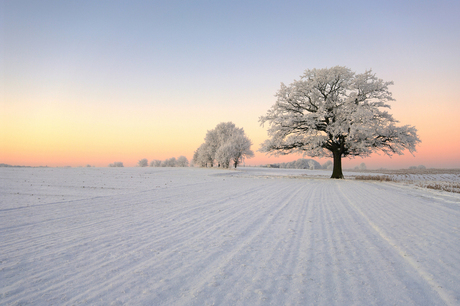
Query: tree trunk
[(337, 172)]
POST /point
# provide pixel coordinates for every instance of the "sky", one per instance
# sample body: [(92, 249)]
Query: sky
[(94, 82)]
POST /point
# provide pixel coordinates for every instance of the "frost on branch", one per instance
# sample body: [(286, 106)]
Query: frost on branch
[(335, 113)]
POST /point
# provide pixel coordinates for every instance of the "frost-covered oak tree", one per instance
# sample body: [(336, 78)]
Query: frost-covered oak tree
[(335, 113)]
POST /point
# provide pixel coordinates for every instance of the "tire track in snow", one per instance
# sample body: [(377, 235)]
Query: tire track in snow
[(443, 294)]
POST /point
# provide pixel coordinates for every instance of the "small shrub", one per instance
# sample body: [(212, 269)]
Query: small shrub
[(381, 178), (453, 187)]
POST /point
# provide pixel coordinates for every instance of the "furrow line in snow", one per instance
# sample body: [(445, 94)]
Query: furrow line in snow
[(171, 253), (165, 253), (255, 229), (443, 294), (427, 231), (283, 261), (84, 210)]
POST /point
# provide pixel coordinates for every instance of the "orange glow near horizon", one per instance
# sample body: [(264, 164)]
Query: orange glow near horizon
[(59, 142), (66, 135)]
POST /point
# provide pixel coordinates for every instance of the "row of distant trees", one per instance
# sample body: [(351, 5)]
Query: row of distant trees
[(223, 146), (181, 161), (116, 164), (312, 164), (301, 163)]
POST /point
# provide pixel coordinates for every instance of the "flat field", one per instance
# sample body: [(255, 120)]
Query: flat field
[(188, 236)]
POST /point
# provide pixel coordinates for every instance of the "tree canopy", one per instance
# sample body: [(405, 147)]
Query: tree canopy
[(334, 112)]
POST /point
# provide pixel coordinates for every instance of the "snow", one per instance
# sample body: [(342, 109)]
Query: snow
[(188, 236), (440, 179)]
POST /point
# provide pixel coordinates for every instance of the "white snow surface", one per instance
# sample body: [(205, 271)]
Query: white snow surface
[(188, 236)]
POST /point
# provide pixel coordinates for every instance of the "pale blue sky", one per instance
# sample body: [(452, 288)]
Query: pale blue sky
[(223, 59)]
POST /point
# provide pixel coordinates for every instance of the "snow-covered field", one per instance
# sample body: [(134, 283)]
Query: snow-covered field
[(439, 179), (187, 236)]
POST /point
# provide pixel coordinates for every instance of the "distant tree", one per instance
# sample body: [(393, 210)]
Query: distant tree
[(196, 157), (420, 167), (212, 142), (225, 144), (201, 156), (170, 162), (362, 166), (116, 164), (143, 162), (224, 155), (327, 165), (240, 148), (301, 163), (155, 163), (335, 113), (217, 138), (182, 161)]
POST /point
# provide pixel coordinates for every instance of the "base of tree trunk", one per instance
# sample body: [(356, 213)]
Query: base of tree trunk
[(337, 170), (336, 176)]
